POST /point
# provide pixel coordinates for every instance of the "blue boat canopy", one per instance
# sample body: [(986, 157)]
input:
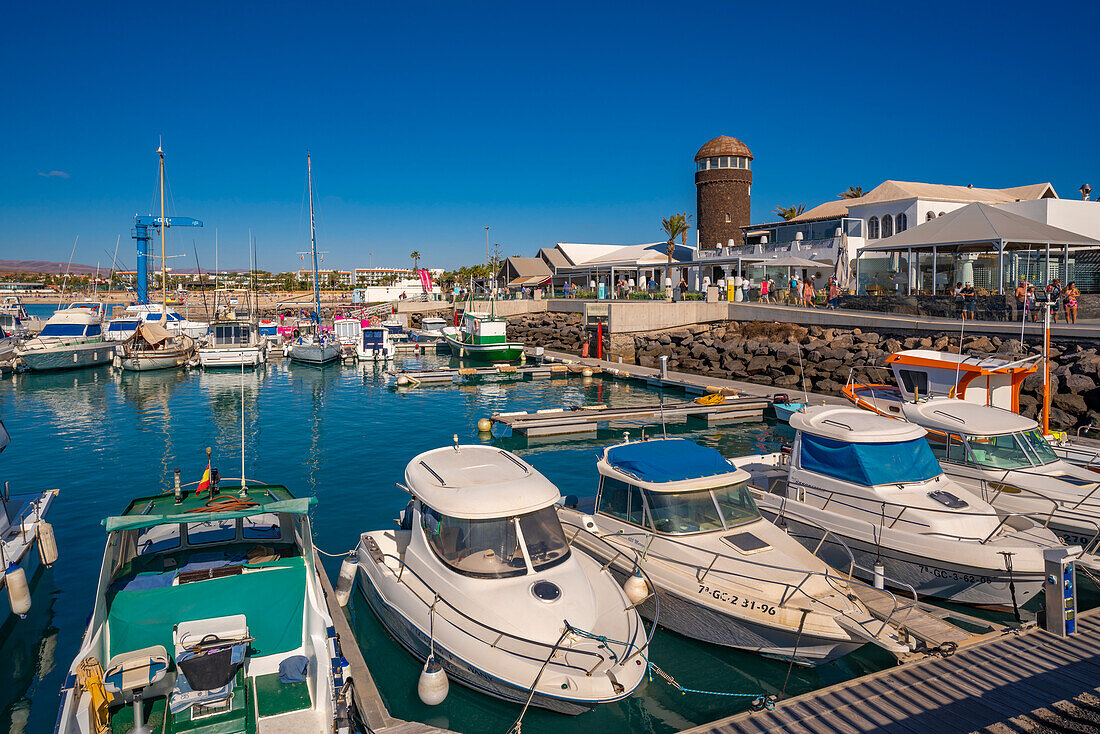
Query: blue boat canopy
[(667, 460)]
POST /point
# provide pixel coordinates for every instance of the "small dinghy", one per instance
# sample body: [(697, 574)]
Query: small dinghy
[(480, 582), (874, 483), (723, 573), (784, 407)]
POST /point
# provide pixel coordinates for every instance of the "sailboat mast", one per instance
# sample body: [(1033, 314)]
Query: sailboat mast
[(313, 244), (163, 261)]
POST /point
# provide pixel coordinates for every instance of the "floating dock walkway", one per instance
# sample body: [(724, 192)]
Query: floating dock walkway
[(368, 702), (451, 374), (997, 683), (589, 419)]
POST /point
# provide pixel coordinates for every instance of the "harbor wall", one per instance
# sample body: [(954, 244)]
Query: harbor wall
[(794, 357)]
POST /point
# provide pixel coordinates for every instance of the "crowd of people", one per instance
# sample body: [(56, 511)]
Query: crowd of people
[(1030, 303)]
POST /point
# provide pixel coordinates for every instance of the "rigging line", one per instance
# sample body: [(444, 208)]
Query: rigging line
[(797, 640)]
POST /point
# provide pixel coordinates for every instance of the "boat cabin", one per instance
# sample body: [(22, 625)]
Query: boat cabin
[(980, 436), (231, 334), (481, 328), (198, 609), (992, 381), (485, 513), (72, 323), (673, 487), (433, 323), (374, 337), (346, 330)]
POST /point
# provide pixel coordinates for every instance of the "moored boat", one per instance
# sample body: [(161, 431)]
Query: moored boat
[(209, 616), (374, 344), (482, 337), (72, 337), (152, 347), (123, 327), (875, 483), (723, 573), (232, 344), (480, 579)]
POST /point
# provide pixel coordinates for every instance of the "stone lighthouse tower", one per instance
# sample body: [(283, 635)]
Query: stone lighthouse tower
[(723, 185)]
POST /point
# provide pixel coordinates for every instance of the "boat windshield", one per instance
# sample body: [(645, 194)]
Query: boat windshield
[(492, 548), (699, 511), (62, 330), (1011, 450), (231, 334)]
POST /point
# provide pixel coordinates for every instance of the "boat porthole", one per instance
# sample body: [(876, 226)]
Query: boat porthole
[(546, 591)]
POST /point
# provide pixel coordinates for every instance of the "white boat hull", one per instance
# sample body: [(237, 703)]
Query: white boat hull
[(375, 355), (67, 357), (20, 538), (211, 358)]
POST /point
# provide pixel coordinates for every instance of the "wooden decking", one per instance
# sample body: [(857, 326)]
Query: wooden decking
[(1013, 682)]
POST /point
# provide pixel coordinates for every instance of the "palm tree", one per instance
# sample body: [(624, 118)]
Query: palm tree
[(790, 212), (853, 192), (673, 227), (415, 255)]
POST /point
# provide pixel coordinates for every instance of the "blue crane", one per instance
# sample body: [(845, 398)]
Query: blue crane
[(141, 234)]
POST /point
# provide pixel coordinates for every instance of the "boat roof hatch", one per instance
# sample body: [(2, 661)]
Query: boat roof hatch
[(853, 425), (478, 483), (958, 416), (669, 465)]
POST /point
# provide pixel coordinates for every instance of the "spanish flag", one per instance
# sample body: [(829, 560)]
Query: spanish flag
[(205, 483)]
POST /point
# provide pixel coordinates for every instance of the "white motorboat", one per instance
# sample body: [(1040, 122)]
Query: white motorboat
[(1002, 457), (209, 615), (72, 337), (346, 331), (432, 325), (723, 574), (123, 327), (152, 347), (23, 527), (396, 329), (14, 318), (375, 344), (479, 578), (8, 345), (233, 344), (875, 483), (268, 330)]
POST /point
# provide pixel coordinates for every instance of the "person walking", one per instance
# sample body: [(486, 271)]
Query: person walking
[(764, 290), (795, 295), (960, 300), (746, 288), (1054, 297), (1032, 304), (1071, 294), (808, 293), (834, 294), (970, 302)]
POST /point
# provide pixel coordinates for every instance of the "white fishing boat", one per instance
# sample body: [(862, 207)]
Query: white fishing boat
[(233, 344), (479, 579), (8, 345), (23, 529), (723, 574), (432, 325), (482, 337), (209, 616), (396, 329), (346, 331), (374, 344), (152, 347), (310, 343), (875, 483), (72, 337), (14, 318), (123, 327), (1002, 457)]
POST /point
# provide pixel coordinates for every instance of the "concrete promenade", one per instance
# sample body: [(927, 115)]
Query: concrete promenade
[(629, 317)]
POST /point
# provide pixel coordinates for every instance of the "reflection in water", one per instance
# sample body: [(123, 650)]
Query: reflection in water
[(27, 649)]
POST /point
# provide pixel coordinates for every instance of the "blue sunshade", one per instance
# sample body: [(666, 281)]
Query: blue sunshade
[(667, 460)]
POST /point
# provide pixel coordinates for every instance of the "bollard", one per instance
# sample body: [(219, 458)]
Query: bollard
[(664, 367)]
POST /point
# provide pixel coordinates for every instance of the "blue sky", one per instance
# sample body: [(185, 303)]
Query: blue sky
[(548, 121)]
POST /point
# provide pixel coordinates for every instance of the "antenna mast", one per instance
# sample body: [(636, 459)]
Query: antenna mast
[(313, 243), (163, 261)]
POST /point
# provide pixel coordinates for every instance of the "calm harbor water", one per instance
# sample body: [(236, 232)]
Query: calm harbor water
[(344, 435)]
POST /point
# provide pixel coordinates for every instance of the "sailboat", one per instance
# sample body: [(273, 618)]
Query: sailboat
[(310, 345), (152, 346)]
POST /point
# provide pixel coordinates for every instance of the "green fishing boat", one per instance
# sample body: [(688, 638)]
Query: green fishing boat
[(482, 337), (209, 616)]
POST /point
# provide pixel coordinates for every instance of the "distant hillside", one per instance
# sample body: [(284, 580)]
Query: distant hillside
[(45, 266)]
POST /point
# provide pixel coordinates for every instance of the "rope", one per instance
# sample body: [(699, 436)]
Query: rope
[(224, 503), (333, 555), (517, 726), (760, 701), (797, 639)]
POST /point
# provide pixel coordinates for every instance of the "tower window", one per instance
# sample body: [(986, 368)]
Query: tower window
[(901, 223), (713, 162), (872, 228), (728, 217), (929, 216), (887, 225)]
